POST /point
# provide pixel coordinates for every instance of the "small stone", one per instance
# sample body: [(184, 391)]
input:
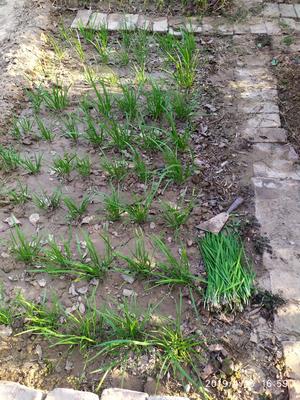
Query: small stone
[(228, 366), (34, 219), (72, 290), (128, 293), (81, 19), (82, 290), (81, 308), (254, 337), (190, 243), (69, 365), (42, 282), (5, 331), (4, 255), (12, 221), (38, 350), (87, 220), (152, 225), (128, 278)]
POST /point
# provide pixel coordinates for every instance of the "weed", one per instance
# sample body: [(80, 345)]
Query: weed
[(57, 98), (75, 42), (84, 166), (104, 102), (181, 106), (140, 47), (9, 159), (175, 170), (25, 250), (157, 101), (71, 130), (33, 166), (59, 51), (19, 195), (94, 134), (139, 211), (128, 103), (47, 201), (75, 211), (150, 136), (140, 167), (178, 353), (45, 132), (176, 215), (174, 271), (113, 205), (140, 74), (120, 135), (115, 169), (229, 276), (140, 262), (101, 43), (63, 166), (21, 126), (35, 97), (40, 319)]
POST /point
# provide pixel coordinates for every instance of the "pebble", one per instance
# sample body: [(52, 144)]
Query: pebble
[(128, 278), (12, 221), (128, 293), (42, 282), (152, 225), (34, 219), (5, 331)]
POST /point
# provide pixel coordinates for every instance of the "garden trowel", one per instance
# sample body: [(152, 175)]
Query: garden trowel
[(216, 223)]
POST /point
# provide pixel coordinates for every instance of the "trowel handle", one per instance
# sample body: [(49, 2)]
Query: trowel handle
[(237, 202)]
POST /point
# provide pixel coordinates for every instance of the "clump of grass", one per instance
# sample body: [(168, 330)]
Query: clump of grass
[(175, 169), (45, 133), (75, 211), (104, 100), (115, 169), (93, 133), (25, 250), (84, 166), (100, 43), (63, 166), (35, 97), (157, 101), (19, 195), (128, 102), (173, 270), (21, 127), (10, 159), (176, 215), (182, 54), (229, 276), (71, 129), (140, 262), (113, 205), (140, 167), (57, 97), (181, 105), (45, 201), (59, 260), (7, 309), (33, 166), (138, 212), (41, 319), (120, 135)]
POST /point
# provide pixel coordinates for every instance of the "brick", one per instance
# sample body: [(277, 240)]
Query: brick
[(288, 23), (273, 27), (194, 24), (258, 107), (97, 20), (114, 22), (287, 10), (81, 19), (15, 391), (225, 30), (265, 135), (291, 351), (123, 394), (264, 121), (271, 10), (145, 22), (294, 390), (130, 22), (297, 9), (70, 394), (207, 25), (258, 28), (168, 398), (240, 29), (160, 24)]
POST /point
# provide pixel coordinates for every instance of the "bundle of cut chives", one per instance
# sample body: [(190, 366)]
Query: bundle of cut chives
[(229, 276)]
